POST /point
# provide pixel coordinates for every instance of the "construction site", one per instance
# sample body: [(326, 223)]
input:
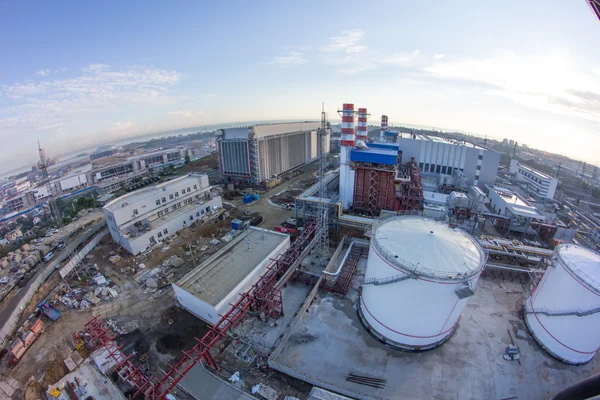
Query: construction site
[(371, 280)]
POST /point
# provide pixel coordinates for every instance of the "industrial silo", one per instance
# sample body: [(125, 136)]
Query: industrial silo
[(419, 276), (563, 312)]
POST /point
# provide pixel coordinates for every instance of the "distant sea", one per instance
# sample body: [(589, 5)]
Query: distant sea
[(210, 128)]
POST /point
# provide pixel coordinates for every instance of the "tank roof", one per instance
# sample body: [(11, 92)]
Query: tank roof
[(583, 262), (429, 248)]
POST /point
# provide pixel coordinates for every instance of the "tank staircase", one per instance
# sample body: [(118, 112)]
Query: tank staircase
[(342, 283), (388, 280)]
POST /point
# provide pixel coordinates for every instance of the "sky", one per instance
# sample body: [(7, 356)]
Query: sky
[(75, 74)]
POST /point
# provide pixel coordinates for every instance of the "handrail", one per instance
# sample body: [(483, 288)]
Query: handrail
[(418, 270)]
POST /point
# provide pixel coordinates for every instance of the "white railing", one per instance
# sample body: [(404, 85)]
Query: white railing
[(418, 270)]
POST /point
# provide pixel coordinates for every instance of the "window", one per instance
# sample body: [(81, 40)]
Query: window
[(480, 157), (164, 199), (185, 201), (182, 192), (197, 214), (188, 190), (135, 212), (479, 168), (421, 166), (444, 169), (179, 205), (166, 232), (158, 202), (195, 187), (160, 214), (159, 234), (202, 212), (437, 169), (174, 207), (176, 194), (207, 210), (191, 217), (426, 167), (166, 210), (171, 196)]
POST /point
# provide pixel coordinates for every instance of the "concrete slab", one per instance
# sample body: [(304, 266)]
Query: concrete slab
[(328, 342), (201, 384), (89, 382), (265, 335)]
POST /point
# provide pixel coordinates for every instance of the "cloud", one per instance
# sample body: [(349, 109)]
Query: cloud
[(122, 127), (52, 106), (551, 82), (402, 59), (439, 56), (207, 95), (293, 57), (187, 114), (347, 42), (47, 72)]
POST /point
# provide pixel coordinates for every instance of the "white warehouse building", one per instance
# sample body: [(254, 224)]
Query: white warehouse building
[(539, 184), (209, 290), (143, 218)]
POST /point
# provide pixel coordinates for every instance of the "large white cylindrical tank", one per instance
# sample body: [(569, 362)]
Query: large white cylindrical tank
[(563, 312), (419, 276)]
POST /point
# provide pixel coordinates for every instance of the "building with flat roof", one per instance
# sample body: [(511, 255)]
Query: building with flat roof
[(474, 164), (143, 218), (258, 153), (20, 202), (537, 183), (517, 209), (209, 290)]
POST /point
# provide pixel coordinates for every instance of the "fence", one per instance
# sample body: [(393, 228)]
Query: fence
[(13, 319)]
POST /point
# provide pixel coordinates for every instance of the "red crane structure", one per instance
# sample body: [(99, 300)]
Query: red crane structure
[(264, 295)]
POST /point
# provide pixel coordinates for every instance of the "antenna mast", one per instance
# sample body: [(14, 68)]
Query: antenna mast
[(43, 166)]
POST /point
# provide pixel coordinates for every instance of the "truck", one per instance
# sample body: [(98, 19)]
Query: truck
[(49, 311)]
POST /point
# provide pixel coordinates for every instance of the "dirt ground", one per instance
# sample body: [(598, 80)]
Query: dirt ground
[(164, 330)]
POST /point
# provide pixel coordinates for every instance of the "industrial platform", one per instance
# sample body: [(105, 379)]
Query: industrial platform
[(327, 342)]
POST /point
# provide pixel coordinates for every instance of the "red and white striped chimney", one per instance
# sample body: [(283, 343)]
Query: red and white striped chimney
[(384, 126), (347, 125), (361, 128)]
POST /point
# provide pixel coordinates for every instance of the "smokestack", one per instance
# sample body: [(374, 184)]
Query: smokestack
[(384, 127), (347, 125), (361, 128)]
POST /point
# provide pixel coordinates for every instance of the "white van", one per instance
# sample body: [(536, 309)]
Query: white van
[(49, 256)]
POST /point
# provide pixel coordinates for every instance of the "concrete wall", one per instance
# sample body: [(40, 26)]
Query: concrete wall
[(77, 258)]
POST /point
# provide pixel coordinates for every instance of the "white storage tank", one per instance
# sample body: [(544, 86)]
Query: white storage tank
[(563, 312), (419, 276)]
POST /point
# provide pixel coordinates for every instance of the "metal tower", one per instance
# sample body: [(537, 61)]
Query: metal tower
[(43, 166), (323, 214)]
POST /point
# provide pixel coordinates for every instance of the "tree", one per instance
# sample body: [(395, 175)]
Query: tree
[(187, 159)]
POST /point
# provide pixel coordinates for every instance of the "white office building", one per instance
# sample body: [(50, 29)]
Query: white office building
[(517, 210), (539, 184), (143, 218)]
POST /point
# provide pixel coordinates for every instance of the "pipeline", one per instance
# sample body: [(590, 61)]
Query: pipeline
[(550, 313)]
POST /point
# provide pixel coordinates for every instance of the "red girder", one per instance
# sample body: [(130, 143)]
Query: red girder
[(263, 294), (262, 290)]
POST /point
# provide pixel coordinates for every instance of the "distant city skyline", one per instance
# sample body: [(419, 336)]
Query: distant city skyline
[(527, 72)]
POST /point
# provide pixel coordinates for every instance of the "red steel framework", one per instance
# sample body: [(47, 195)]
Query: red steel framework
[(342, 283), (265, 295), (382, 187)]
